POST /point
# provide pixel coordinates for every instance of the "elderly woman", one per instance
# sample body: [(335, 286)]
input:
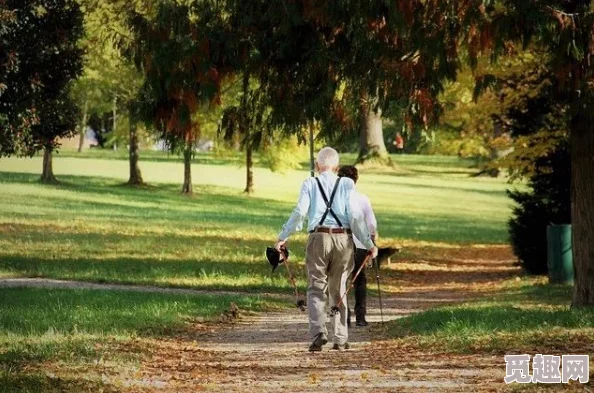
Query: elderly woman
[(333, 216), (352, 173)]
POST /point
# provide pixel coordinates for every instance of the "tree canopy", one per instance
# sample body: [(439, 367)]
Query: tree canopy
[(39, 58)]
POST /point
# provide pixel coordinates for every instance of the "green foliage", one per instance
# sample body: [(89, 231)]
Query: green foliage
[(179, 51), (246, 120), (548, 202), (284, 154), (107, 75), (314, 52), (480, 107), (533, 111), (39, 58)]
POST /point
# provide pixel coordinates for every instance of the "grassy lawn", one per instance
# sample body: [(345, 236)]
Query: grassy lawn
[(92, 228), (530, 318), (39, 327)]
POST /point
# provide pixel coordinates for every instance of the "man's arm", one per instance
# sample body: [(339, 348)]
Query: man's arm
[(295, 222), (370, 219)]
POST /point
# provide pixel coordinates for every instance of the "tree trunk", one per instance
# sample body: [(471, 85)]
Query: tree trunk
[(103, 131), (47, 175), (249, 163), (115, 121), (312, 162), (582, 199), (135, 175), (371, 137), (246, 130), (83, 126), (187, 187)]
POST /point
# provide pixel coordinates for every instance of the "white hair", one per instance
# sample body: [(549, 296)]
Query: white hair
[(327, 158)]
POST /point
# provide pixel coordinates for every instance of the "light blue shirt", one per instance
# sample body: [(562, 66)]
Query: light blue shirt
[(312, 205)]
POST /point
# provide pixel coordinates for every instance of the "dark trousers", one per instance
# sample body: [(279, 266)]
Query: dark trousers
[(360, 286)]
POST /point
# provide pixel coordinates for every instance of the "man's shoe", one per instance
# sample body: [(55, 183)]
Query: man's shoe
[(346, 345), (318, 342), (362, 323)]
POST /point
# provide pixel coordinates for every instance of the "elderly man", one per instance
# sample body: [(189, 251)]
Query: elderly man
[(352, 173), (333, 216)]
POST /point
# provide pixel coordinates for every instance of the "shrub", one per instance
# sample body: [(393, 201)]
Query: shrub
[(547, 202)]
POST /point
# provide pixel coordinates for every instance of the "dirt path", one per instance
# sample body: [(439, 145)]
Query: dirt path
[(268, 352)]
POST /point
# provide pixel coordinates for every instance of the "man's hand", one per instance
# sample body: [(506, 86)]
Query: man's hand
[(373, 252), (280, 244)]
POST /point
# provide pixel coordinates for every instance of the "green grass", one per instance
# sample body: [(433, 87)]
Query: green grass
[(92, 228), (523, 317), (81, 328), (39, 324)]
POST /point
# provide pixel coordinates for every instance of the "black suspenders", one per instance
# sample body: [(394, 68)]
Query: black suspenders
[(328, 202)]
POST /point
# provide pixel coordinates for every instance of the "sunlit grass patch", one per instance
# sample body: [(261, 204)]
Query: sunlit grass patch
[(37, 324), (522, 318), (92, 228)]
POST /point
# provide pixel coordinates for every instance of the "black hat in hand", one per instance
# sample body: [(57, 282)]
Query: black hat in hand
[(275, 257)]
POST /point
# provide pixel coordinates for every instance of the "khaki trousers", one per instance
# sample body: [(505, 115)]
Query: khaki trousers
[(329, 260)]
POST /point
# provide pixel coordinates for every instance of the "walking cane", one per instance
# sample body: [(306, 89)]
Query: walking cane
[(379, 290), (336, 309), (300, 302)]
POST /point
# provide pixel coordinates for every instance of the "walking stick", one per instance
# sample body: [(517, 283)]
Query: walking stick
[(336, 309), (300, 302), (379, 290)]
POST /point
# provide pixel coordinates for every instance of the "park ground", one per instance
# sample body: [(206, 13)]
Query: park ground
[(116, 289)]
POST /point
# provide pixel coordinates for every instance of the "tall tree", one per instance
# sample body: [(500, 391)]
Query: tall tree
[(179, 51), (39, 44), (110, 82), (247, 119), (563, 29), (237, 123), (57, 118), (377, 51)]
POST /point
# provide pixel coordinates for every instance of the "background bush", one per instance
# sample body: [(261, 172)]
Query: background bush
[(547, 202)]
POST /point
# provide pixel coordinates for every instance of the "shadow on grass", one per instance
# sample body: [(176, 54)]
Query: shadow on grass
[(441, 228), (192, 274), (545, 294), (161, 194), (221, 207), (29, 383)]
